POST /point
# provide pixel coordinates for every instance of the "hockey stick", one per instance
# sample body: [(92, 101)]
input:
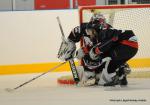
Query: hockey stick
[(71, 61), (11, 90)]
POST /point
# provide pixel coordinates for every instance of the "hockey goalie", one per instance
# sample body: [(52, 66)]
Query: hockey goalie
[(104, 52)]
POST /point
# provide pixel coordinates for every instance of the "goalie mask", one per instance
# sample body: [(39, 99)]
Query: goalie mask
[(97, 22), (67, 50)]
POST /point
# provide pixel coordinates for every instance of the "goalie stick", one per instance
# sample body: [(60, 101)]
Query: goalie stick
[(71, 61), (11, 90)]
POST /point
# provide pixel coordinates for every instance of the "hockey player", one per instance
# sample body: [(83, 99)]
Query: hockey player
[(104, 52)]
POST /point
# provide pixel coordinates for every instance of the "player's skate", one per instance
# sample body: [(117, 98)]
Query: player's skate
[(121, 76), (123, 81), (127, 69), (124, 71), (115, 81)]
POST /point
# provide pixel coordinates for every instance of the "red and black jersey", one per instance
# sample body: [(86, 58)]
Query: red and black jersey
[(124, 37)]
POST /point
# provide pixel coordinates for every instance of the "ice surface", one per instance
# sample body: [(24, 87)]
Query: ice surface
[(46, 91)]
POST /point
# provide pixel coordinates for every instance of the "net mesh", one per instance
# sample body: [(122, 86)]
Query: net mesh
[(127, 17)]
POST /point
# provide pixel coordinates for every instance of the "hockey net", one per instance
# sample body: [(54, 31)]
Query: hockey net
[(124, 17), (127, 17)]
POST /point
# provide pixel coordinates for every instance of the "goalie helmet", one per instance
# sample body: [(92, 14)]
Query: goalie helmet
[(98, 22)]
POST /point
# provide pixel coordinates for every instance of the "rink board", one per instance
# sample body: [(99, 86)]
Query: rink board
[(42, 67)]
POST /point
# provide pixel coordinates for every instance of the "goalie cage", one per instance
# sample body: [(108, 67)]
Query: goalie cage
[(124, 17)]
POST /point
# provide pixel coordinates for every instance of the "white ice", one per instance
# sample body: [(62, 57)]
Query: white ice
[(46, 91)]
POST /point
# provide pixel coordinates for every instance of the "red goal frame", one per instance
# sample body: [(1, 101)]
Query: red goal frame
[(82, 8), (110, 7)]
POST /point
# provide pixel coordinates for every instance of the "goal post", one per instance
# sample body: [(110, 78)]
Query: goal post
[(126, 17)]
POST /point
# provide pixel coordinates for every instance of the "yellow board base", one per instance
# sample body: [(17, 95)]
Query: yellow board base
[(43, 67)]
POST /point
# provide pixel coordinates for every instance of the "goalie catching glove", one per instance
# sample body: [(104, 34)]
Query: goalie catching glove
[(67, 50)]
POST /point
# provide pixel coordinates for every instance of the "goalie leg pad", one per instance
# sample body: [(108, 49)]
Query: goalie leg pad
[(105, 77), (87, 78)]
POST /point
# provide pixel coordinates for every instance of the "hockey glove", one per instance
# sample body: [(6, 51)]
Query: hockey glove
[(95, 53), (67, 50)]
